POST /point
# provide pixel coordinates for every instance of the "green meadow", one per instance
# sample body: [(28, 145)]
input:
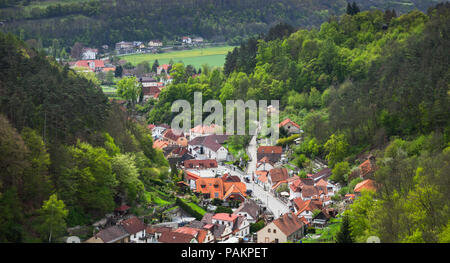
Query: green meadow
[(213, 56)]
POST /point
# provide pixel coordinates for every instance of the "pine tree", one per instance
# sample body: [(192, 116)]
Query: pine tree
[(349, 9), (345, 235), (355, 8)]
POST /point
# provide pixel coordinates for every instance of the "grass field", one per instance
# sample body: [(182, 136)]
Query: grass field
[(213, 56)]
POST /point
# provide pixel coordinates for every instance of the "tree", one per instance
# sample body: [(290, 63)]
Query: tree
[(124, 167), (344, 235), (37, 184), (87, 179), (76, 50), (337, 148), (118, 71), (340, 172), (155, 66), (178, 72), (130, 89), (52, 218)]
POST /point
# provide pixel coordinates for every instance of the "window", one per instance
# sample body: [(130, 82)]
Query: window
[(268, 230), (274, 231), (276, 240), (216, 195)]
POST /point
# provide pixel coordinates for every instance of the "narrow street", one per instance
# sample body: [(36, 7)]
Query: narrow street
[(276, 206)]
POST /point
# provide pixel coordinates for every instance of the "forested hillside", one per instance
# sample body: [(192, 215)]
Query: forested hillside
[(371, 82), (97, 23), (68, 155)]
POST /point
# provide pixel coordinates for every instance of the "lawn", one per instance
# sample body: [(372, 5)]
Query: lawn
[(327, 234), (213, 56), (196, 208)]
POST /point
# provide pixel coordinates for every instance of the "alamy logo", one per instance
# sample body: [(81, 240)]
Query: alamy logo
[(235, 117)]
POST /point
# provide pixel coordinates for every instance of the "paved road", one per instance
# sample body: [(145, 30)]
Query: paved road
[(273, 204)]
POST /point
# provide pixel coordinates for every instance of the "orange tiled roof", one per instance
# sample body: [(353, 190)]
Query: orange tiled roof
[(288, 223), (322, 182), (159, 144), (201, 164), (225, 217), (191, 176), (223, 189), (286, 121), (187, 230), (366, 167), (234, 188), (270, 149), (210, 186), (263, 178), (365, 185)]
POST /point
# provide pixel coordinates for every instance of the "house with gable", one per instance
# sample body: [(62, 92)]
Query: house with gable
[(209, 147), (367, 168), (366, 185), (250, 210), (173, 138), (211, 188), (277, 176), (176, 237), (265, 164), (112, 234), (136, 229), (290, 127), (154, 232), (306, 208), (273, 153), (286, 228)]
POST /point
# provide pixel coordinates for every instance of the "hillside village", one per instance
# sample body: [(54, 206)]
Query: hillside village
[(267, 202)]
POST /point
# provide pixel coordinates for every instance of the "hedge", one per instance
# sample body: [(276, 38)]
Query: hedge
[(188, 209)]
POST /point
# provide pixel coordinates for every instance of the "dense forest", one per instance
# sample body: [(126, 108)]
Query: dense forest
[(365, 82), (68, 155), (96, 23)]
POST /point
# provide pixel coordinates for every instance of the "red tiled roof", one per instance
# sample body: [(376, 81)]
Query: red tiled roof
[(133, 225), (200, 164), (365, 185), (201, 235), (289, 223), (308, 205), (159, 229), (187, 230), (160, 144), (309, 191), (191, 176), (169, 134), (210, 186), (225, 217), (366, 167), (263, 178), (231, 188), (286, 121), (175, 237), (278, 174), (270, 149), (98, 63)]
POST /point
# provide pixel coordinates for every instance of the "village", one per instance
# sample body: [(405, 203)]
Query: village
[(268, 201)]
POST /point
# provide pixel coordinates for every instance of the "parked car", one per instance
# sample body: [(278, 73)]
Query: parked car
[(249, 192)]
